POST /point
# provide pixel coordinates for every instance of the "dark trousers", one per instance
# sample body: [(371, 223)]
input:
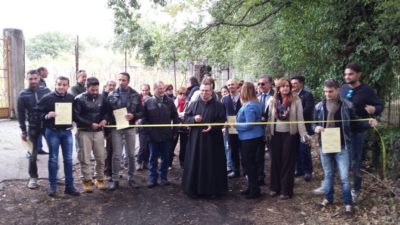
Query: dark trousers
[(283, 158), (144, 152), (182, 146), (159, 150), (234, 143), (249, 149), (108, 160), (303, 161), (260, 160), (34, 134), (183, 137)]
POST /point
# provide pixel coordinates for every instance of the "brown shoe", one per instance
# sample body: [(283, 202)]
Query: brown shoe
[(87, 186), (100, 184)]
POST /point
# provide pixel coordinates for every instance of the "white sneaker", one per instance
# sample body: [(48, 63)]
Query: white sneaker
[(32, 184), (319, 191), (348, 210)]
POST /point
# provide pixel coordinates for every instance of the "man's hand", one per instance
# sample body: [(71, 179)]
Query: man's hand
[(103, 123), (129, 116), (370, 109), (206, 130), (24, 136), (95, 126), (318, 129), (51, 114), (198, 118), (373, 122)]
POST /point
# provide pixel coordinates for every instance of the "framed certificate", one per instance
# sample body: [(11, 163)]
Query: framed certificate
[(330, 140), (63, 113), (120, 119), (232, 130)]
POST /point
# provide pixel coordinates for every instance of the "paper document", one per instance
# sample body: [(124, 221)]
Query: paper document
[(63, 113), (120, 119), (232, 130), (330, 140)]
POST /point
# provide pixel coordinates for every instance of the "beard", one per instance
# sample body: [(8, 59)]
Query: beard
[(352, 82)]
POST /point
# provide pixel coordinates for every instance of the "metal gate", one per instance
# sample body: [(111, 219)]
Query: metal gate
[(4, 80)]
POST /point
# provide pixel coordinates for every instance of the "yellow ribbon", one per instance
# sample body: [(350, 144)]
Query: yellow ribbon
[(235, 124)]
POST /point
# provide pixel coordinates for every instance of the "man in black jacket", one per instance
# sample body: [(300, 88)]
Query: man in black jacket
[(367, 104), (124, 97), (58, 134), (159, 109), (304, 161), (79, 87), (90, 117), (27, 100), (232, 106)]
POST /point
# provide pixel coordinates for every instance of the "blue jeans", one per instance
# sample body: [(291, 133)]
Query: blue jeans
[(227, 151), (54, 139), (159, 149), (357, 145), (304, 161), (342, 161)]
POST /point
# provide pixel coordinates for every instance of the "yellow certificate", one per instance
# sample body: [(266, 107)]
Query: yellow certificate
[(63, 113), (120, 119), (330, 140), (232, 130)]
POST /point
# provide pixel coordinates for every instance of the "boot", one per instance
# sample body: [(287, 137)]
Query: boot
[(114, 186), (87, 186), (100, 184)]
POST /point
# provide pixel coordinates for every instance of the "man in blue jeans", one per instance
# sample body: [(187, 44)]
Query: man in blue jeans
[(159, 109), (366, 104), (58, 135), (337, 112)]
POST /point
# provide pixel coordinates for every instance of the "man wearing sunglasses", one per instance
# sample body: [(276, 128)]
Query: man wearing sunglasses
[(266, 92), (366, 104)]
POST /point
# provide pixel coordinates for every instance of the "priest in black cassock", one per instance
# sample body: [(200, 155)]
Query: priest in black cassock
[(204, 172)]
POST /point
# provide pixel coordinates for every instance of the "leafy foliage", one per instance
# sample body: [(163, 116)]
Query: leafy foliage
[(315, 38), (49, 44)]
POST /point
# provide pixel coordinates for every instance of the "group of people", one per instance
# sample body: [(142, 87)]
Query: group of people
[(221, 135)]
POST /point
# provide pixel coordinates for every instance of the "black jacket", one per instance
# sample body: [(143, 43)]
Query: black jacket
[(77, 89), (47, 104), (191, 90), (88, 110), (133, 105), (228, 103), (27, 100), (161, 111), (307, 100)]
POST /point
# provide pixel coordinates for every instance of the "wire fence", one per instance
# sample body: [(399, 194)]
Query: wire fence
[(391, 114)]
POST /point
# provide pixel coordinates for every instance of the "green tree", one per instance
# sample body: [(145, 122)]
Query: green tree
[(49, 44)]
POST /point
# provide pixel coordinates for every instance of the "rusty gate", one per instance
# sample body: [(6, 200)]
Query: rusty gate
[(4, 80)]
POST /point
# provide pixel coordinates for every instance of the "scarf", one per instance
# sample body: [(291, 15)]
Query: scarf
[(181, 104), (332, 106), (282, 107)]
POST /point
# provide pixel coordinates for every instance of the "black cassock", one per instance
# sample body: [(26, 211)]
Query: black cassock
[(205, 161)]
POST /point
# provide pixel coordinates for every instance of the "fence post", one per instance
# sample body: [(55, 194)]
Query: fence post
[(16, 65)]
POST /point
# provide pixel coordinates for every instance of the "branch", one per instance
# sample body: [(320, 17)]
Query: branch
[(240, 24), (252, 7)]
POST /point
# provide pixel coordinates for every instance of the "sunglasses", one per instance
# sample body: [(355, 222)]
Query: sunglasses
[(261, 84), (181, 94), (349, 94)]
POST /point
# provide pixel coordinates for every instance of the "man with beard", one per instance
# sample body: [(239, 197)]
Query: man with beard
[(90, 117), (205, 162), (27, 100), (366, 104)]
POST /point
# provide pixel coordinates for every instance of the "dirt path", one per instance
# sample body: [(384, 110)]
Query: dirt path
[(168, 205)]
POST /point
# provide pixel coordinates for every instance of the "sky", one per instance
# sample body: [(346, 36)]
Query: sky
[(86, 18)]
